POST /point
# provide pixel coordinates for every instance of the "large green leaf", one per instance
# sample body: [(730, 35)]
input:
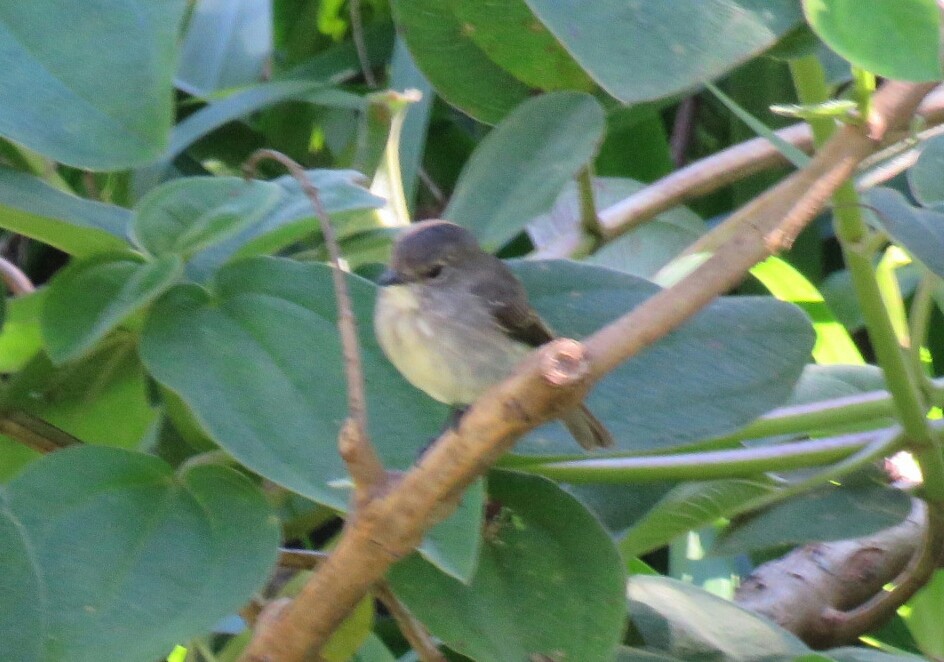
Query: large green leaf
[(830, 513), (110, 556), (228, 43), (30, 207), (186, 215), (257, 360), (732, 362), (683, 620), (519, 169), (89, 83), (91, 297), (895, 39), (457, 67), (920, 231), (549, 582), (510, 35), (648, 50)]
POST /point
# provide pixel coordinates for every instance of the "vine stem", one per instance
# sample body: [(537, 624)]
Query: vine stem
[(854, 235)]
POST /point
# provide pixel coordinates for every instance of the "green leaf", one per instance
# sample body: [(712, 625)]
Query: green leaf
[(830, 513), (125, 559), (734, 361), (103, 398), (86, 91), (542, 543), (833, 342), (919, 231), (516, 41), (187, 215), (924, 177), (456, 66), (690, 506), (683, 620), (227, 44), (91, 297), (893, 39), (264, 341), (651, 50), (30, 207), (922, 616), (519, 169)]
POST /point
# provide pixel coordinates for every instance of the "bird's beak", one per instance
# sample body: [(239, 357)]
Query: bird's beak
[(390, 277)]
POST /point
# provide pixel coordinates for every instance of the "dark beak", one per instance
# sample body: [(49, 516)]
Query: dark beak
[(390, 277)]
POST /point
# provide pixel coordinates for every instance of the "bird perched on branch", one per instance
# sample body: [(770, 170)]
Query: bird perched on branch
[(454, 320)]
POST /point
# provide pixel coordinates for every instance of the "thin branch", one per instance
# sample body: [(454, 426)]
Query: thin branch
[(725, 167), (34, 432), (552, 379), (414, 631), (300, 559), (13, 277), (683, 128), (589, 220), (363, 463)]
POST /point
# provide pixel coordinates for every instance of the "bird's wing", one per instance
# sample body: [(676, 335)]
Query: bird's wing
[(507, 301)]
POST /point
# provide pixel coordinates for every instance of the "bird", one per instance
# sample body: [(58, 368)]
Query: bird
[(454, 320)]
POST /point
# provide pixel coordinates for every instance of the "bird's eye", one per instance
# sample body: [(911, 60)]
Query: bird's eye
[(434, 271)]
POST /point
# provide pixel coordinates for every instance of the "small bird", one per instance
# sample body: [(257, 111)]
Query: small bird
[(454, 320)]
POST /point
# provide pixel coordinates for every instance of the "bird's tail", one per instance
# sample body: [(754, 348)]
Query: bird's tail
[(587, 429)]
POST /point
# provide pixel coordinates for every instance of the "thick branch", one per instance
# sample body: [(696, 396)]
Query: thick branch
[(550, 381), (829, 594)]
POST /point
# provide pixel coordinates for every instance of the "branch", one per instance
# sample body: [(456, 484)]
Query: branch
[(828, 594), (552, 379), (726, 167), (362, 461)]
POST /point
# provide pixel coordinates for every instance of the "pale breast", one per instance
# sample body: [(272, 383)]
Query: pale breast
[(452, 352)]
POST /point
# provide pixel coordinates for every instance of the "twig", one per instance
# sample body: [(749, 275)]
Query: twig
[(300, 559), (414, 631), (13, 277), (363, 463), (553, 379), (34, 432), (682, 130), (357, 33)]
